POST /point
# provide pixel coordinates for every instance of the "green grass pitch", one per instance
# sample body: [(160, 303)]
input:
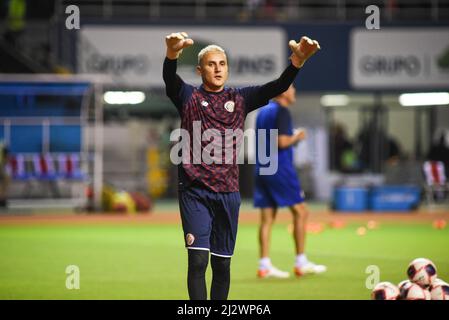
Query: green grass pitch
[(149, 261)]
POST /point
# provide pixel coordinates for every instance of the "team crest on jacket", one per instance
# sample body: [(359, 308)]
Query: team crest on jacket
[(190, 239), (229, 106)]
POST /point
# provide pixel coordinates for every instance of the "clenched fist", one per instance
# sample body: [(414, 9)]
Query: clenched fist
[(300, 134), (302, 50), (176, 42)]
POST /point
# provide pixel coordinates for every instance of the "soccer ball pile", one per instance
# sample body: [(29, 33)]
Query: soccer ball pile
[(422, 284)]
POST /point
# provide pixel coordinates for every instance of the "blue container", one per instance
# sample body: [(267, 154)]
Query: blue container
[(351, 199), (394, 198)]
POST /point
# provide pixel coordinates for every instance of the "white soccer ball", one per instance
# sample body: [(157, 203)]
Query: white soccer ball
[(439, 290), (422, 271), (385, 291), (403, 286), (412, 291), (437, 281)]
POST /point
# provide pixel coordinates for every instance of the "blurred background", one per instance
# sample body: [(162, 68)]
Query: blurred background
[(85, 124)]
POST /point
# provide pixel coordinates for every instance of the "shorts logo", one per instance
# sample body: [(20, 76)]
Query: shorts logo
[(190, 239), (229, 106)]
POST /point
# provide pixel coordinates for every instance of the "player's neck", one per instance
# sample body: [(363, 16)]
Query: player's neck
[(281, 102), (212, 89)]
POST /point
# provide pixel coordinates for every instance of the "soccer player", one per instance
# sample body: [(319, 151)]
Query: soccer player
[(282, 189), (209, 197)]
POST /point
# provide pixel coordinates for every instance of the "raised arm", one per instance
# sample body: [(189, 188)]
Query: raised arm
[(174, 85), (259, 96)]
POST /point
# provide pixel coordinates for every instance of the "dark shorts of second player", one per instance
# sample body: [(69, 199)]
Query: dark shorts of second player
[(209, 220), (279, 190)]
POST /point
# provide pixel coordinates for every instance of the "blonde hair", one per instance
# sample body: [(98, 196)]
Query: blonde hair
[(209, 48)]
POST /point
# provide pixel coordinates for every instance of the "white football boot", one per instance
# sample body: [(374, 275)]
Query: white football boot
[(272, 272), (309, 268)]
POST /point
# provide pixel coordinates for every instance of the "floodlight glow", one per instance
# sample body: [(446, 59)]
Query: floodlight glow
[(334, 100), (124, 97), (424, 99)]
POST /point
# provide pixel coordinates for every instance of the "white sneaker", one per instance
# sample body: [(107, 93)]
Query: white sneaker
[(310, 268), (272, 272)]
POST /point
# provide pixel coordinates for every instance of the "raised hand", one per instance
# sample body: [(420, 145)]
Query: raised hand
[(302, 50), (176, 42)]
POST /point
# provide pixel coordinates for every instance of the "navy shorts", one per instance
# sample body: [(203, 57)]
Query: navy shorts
[(209, 220), (283, 190)]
